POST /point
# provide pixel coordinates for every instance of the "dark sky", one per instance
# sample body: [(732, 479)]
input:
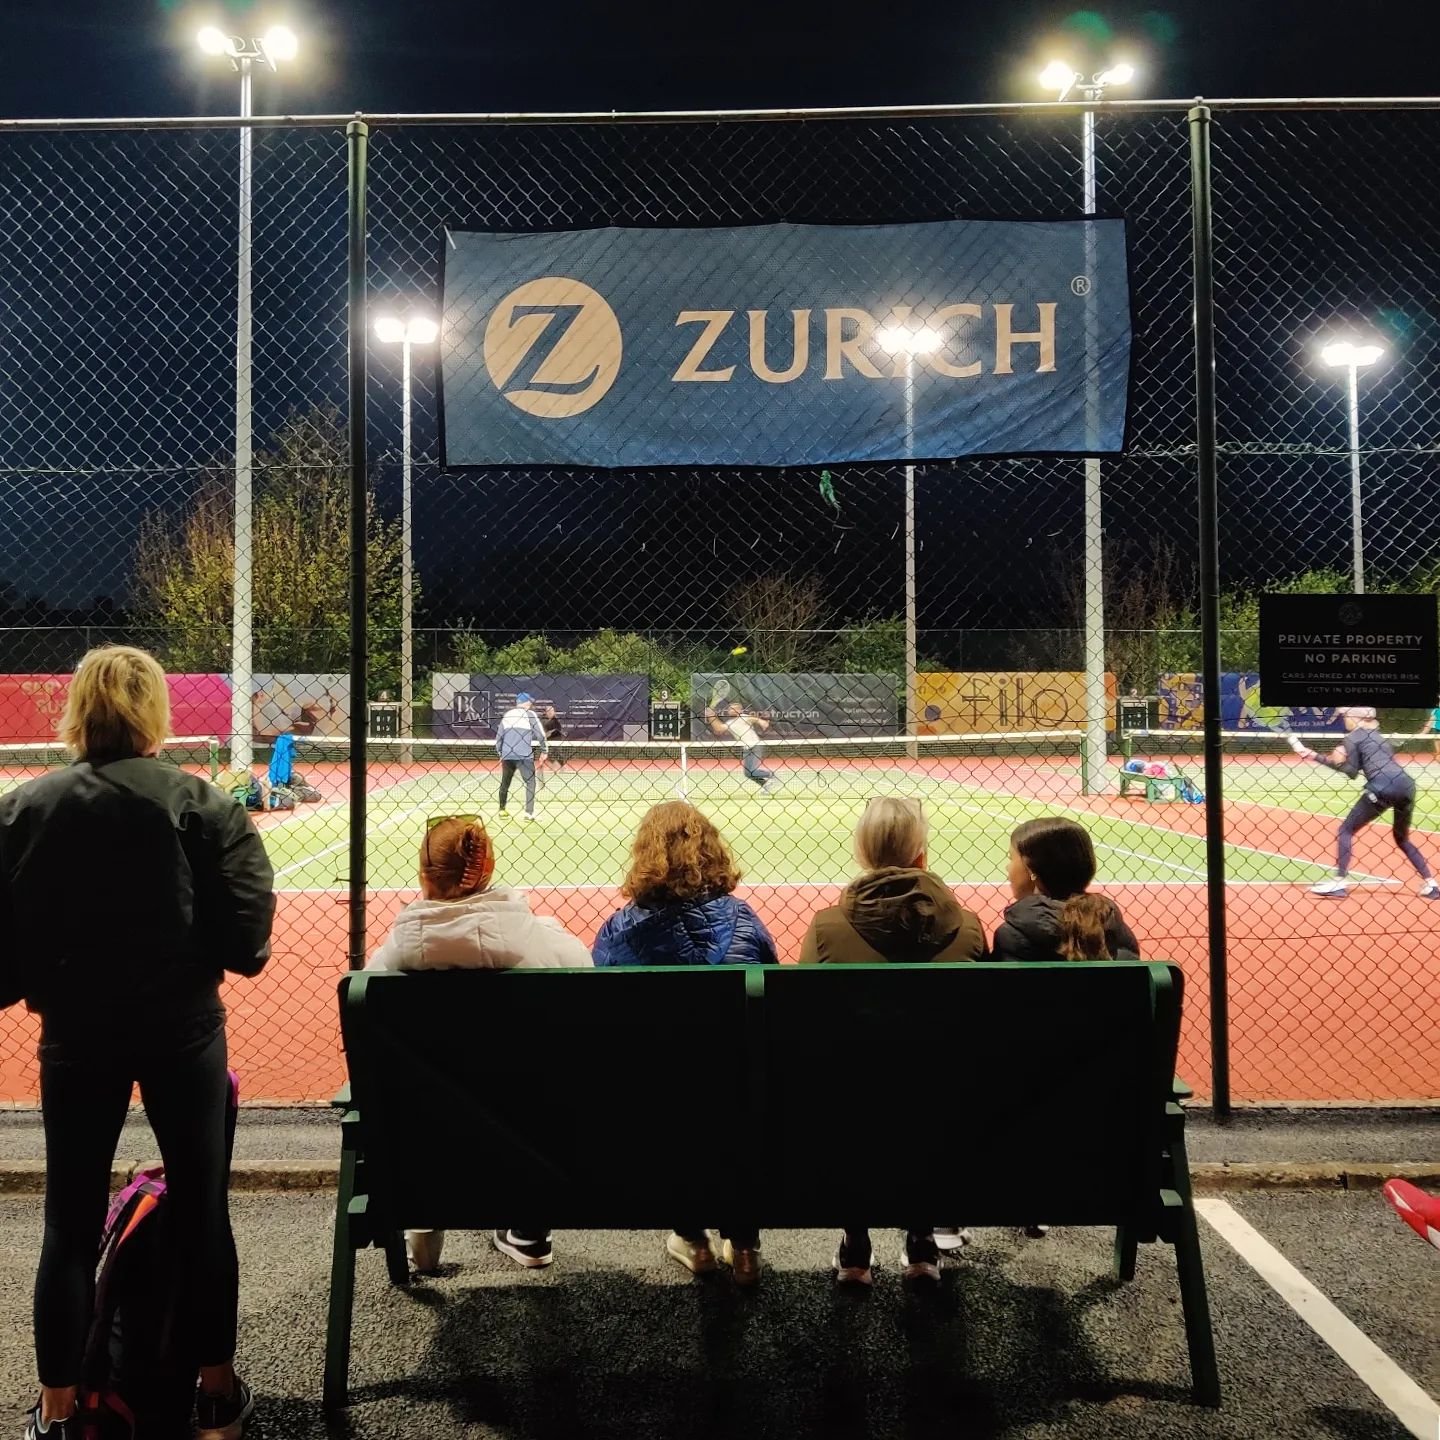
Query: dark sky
[(137, 57)]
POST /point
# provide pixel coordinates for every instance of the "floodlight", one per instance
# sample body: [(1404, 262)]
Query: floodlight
[(213, 41), (279, 43), (390, 330), (1057, 75), (421, 331), (1121, 74)]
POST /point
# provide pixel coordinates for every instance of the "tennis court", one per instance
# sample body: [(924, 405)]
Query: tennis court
[(1329, 1000)]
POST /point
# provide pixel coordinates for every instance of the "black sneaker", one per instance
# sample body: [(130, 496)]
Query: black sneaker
[(920, 1259), (853, 1264), (57, 1429), (224, 1417), (532, 1254)]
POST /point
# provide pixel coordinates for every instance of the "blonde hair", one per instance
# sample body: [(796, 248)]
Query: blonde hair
[(678, 856), (891, 832), (118, 706)]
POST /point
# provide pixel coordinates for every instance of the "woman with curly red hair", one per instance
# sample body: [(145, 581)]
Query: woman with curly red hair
[(682, 910)]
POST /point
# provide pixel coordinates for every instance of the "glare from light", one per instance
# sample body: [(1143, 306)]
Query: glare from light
[(421, 331), (899, 340), (1121, 74), (280, 43), (1346, 353), (1057, 75), (389, 330), (213, 41)]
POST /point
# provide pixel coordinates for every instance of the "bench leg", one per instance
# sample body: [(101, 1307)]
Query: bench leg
[(1126, 1247), (342, 1293), (1199, 1333), (397, 1263)]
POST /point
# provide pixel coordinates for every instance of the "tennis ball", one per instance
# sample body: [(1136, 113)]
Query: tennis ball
[(740, 650)]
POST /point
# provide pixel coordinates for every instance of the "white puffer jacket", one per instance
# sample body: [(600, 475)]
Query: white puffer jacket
[(490, 931)]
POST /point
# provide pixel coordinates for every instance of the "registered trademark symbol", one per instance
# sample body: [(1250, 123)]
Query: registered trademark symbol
[(1080, 285)]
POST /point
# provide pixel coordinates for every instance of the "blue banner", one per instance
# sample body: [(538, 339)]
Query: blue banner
[(1182, 707), (588, 707), (785, 344)]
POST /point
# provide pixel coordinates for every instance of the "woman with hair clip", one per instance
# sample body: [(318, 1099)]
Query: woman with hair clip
[(463, 922)]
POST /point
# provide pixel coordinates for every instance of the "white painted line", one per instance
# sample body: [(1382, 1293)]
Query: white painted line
[(1410, 1404)]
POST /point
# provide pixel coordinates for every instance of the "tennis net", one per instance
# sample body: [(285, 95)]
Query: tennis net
[(25, 761), (1258, 745)]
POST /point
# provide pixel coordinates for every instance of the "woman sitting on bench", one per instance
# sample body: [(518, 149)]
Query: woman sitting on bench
[(462, 922)]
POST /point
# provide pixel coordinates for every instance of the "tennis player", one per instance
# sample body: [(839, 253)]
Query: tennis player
[(1388, 786), (734, 723), (517, 740)]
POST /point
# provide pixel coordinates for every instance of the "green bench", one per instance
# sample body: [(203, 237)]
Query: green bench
[(1154, 786), (572, 1096)]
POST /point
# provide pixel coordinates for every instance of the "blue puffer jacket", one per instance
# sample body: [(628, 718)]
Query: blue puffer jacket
[(722, 931)]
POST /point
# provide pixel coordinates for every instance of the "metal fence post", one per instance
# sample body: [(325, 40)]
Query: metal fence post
[(357, 135), (1202, 231)]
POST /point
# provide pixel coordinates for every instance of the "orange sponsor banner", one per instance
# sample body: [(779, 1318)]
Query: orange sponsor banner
[(1009, 701)]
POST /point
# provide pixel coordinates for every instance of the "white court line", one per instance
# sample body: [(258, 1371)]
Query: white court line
[(1399, 1394)]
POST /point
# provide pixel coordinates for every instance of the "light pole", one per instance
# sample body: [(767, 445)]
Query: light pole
[(1352, 358), (277, 43), (405, 333), (903, 341), (1063, 78)]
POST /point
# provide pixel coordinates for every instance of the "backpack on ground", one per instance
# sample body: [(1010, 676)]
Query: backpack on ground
[(138, 1381)]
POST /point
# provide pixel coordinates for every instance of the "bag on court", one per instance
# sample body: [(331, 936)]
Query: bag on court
[(282, 797), (249, 794), (138, 1383)]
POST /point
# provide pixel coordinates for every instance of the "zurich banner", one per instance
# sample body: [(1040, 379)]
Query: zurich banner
[(785, 344)]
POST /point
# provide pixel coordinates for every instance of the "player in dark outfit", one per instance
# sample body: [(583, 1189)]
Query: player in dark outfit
[(1387, 786)]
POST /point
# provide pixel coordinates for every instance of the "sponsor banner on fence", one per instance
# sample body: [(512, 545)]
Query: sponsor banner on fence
[(588, 707), (1182, 701), (781, 344), (798, 707), (300, 704), (30, 706), (1008, 701)]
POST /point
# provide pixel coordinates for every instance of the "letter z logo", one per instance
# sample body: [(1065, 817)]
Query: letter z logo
[(552, 347)]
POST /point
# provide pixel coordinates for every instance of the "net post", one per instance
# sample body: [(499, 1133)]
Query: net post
[(1085, 764), (1207, 467), (684, 771), (214, 746)]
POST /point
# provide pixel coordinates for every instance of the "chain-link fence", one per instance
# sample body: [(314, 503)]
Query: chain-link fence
[(643, 603)]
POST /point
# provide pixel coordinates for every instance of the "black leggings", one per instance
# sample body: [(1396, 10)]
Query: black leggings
[(1371, 806), (84, 1093)]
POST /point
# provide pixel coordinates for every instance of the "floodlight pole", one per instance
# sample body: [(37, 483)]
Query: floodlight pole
[(911, 726), (1096, 702), (242, 606), (407, 634), (1357, 526)]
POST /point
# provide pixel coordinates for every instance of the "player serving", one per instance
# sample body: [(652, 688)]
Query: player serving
[(733, 723), (1387, 786)]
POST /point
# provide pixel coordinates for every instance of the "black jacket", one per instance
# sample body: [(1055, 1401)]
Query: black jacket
[(1031, 931), (126, 890)]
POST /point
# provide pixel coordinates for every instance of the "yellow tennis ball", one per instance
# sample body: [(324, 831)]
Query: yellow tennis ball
[(740, 650)]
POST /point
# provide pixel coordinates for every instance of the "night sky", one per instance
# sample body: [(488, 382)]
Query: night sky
[(118, 58)]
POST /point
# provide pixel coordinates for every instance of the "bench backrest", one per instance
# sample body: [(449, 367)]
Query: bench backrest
[(790, 1095)]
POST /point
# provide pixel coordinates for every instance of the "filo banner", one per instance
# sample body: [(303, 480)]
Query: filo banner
[(784, 344)]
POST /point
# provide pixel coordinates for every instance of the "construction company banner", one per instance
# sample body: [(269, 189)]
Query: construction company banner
[(799, 707), (588, 707), (1182, 707), (298, 705), (31, 705), (1003, 701), (784, 344)]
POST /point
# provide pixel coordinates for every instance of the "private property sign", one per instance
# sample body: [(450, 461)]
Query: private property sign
[(1349, 650)]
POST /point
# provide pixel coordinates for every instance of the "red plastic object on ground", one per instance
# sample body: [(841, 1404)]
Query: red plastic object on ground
[(1421, 1212)]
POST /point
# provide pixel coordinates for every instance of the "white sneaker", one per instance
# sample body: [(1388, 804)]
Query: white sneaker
[(1336, 887), (1430, 890), (956, 1238), (526, 818), (697, 1257)]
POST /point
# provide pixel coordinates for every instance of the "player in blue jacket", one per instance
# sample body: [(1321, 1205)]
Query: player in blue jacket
[(1388, 786), (517, 742)]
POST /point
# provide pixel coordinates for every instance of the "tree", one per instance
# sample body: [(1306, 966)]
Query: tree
[(184, 572), (781, 618)]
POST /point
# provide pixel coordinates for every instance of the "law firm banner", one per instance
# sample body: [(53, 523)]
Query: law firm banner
[(785, 344)]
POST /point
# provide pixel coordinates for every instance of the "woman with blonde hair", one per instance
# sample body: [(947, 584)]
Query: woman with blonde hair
[(896, 911), (682, 910), (173, 889)]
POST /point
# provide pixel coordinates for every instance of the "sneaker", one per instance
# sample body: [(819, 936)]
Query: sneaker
[(920, 1263), (1430, 890), (224, 1417), (744, 1263), (532, 1254), (1336, 887), (947, 1241), (57, 1429), (853, 1267), (695, 1255), (1036, 1232), (424, 1247), (769, 787), (526, 817)]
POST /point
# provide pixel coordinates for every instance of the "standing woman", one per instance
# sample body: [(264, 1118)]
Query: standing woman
[(127, 888)]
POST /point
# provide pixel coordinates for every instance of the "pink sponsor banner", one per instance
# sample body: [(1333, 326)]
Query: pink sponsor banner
[(31, 705)]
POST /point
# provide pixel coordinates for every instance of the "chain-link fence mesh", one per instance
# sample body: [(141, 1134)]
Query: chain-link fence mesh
[(117, 467)]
